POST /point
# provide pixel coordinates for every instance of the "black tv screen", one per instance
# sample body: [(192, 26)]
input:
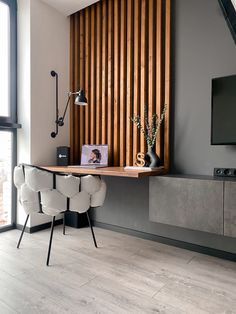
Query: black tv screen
[(223, 115)]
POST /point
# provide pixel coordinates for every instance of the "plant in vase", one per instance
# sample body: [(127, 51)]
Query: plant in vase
[(150, 131)]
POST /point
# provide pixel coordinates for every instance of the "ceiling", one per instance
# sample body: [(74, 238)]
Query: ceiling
[(68, 7)]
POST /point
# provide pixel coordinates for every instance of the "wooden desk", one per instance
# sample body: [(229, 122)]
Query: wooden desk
[(108, 171)]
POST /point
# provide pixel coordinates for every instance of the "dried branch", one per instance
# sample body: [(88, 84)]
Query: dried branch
[(149, 130)]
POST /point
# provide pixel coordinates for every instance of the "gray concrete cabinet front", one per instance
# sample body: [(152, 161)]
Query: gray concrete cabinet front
[(230, 209), (195, 204)]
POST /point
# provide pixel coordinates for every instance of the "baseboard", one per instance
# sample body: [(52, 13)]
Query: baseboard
[(168, 241), (7, 228), (39, 227)]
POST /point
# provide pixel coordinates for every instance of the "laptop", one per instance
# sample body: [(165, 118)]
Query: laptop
[(94, 156)]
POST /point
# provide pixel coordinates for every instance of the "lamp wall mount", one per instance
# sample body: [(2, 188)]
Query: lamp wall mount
[(54, 133), (80, 100)]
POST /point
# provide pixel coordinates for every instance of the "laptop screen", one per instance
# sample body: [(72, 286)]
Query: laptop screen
[(94, 155)]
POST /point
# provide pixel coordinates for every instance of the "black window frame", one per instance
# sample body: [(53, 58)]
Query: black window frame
[(11, 121), (10, 124)]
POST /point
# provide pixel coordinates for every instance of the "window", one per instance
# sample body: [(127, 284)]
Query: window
[(6, 178), (8, 116), (4, 59)]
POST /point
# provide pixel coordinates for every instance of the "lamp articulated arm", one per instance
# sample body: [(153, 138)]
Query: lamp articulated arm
[(61, 119)]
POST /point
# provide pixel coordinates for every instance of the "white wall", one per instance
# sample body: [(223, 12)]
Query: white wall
[(43, 45), (24, 80), (49, 51), (24, 89)]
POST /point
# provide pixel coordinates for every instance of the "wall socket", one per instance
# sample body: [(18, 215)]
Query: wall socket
[(225, 172)]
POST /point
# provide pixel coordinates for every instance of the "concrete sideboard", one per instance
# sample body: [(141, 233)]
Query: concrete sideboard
[(198, 203)]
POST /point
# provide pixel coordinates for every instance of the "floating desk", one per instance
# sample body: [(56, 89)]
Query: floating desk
[(106, 171)]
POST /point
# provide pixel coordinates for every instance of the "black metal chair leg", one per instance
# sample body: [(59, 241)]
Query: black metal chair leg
[(90, 225), (64, 223), (22, 232), (50, 241)]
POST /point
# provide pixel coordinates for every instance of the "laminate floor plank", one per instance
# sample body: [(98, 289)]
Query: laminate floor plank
[(5, 309), (23, 298), (124, 275)]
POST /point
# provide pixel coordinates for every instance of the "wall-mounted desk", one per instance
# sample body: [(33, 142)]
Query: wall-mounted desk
[(106, 171)]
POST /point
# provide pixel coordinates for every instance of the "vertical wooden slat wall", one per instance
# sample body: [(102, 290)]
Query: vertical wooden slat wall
[(87, 75), (81, 75), (72, 87), (110, 60), (137, 67), (130, 80), (123, 81), (93, 68), (120, 56), (76, 62), (160, 59)]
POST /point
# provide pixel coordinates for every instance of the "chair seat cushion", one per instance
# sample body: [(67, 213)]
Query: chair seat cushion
[(19, 178), (90, 184), (29, 199), (53, 202), (98, 198), (38, 180), (80, 202), (68, 185)]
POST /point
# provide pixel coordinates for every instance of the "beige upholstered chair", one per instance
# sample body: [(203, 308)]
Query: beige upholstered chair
[(43, 191)]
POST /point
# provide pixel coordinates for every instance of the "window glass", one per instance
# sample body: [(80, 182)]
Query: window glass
[(4, 59), (5, 178), (8, 116)]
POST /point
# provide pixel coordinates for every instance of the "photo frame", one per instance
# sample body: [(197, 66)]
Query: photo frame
[(94, 155)]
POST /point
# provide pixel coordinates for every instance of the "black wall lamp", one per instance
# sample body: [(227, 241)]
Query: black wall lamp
[(80, 100)]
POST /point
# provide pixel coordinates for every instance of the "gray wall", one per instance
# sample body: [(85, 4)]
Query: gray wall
[(203, 48)]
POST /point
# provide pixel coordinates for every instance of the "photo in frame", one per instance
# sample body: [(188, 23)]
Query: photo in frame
[(94, 155)]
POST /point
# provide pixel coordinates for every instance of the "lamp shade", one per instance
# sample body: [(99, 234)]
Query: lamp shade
[(80, 99)]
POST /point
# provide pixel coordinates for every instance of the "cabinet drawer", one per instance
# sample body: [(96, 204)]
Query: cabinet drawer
[(189, 203)]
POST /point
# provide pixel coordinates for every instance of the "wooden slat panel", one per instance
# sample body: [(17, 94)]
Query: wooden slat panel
[(137, 46), (110, 79), (87, 73), (167, 84), (82, 76), (72, 84), (77, 71), (104, 70), (130, 71), (152, 59), (116, 134), (123, 78), (92, 102), (120, 55), (98, 73), (159, 68), (144, 67)]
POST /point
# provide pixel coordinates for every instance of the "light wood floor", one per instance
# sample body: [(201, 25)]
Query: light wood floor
[(124, 275)]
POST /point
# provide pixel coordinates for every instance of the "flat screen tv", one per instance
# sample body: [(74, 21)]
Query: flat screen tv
[(223, 113), (229, 10)]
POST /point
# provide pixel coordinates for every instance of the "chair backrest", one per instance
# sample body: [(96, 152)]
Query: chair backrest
[(40, 190)]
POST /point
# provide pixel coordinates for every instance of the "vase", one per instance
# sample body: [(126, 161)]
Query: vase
[(152, 158)]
